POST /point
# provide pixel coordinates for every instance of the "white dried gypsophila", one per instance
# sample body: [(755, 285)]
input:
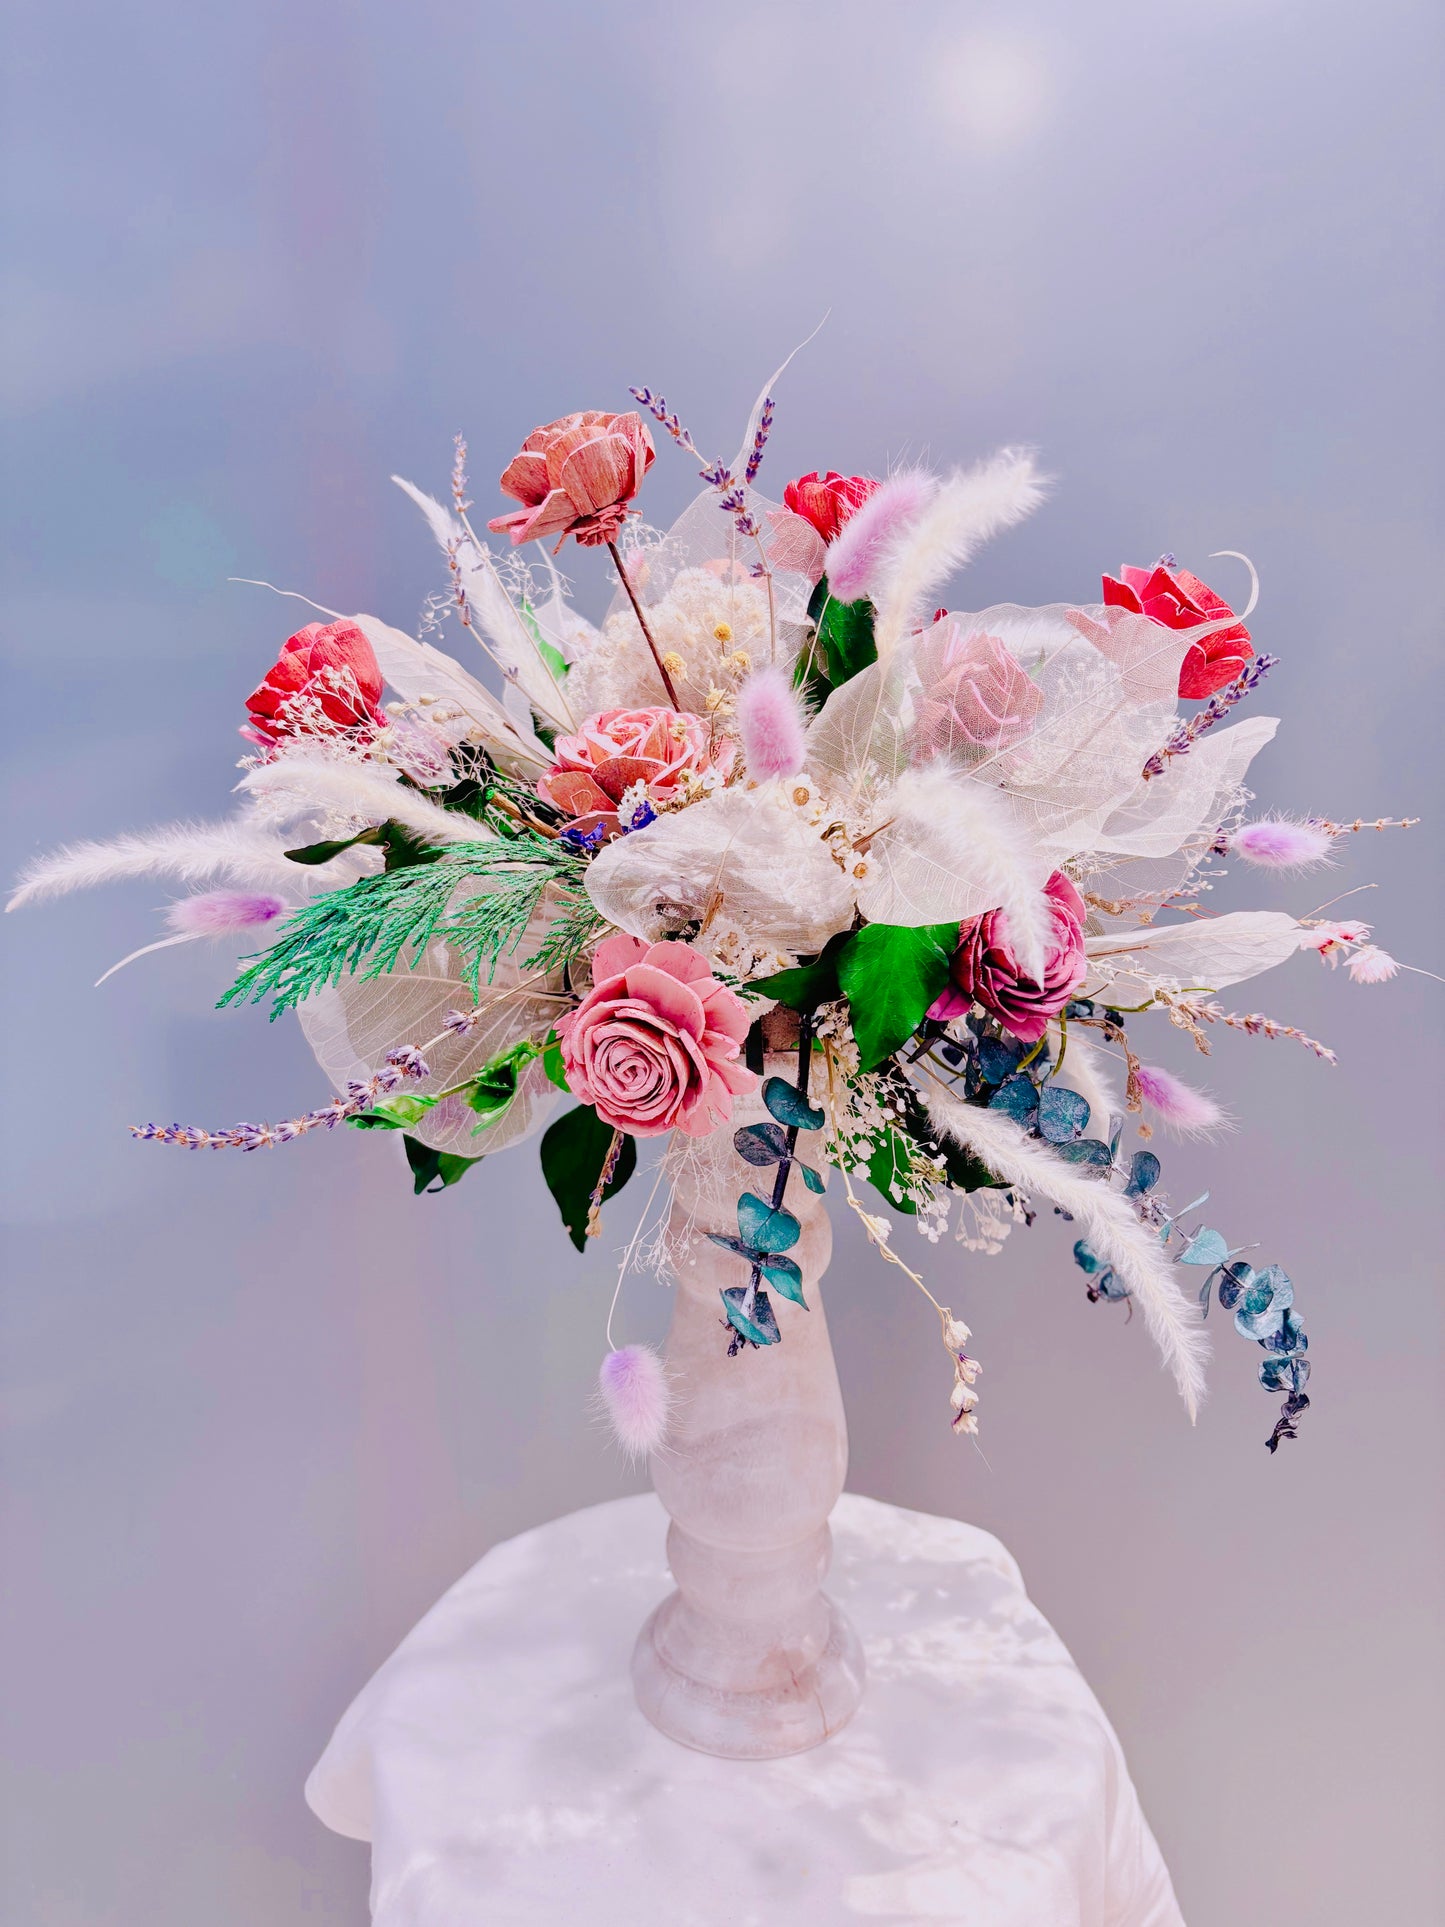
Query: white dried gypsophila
[(709, 631), (985, 1219)]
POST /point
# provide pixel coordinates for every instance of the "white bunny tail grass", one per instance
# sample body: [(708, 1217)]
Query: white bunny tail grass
[(191, 852), (301, 783), (1108, 1220), (636, 1397), (969, 507)]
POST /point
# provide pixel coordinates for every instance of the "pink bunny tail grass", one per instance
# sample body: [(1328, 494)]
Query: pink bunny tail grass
[(216, 913), (862, 545), (636, 1398), (1276, 843), (1189, 1111), (770, 725)]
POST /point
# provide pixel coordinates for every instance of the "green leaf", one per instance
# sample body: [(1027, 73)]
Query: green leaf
[(892, 1160), (491, 1092), (556, 662), (810, 984), (433, 1171), (552, 1063), (890, 975), (323, 852), (393, 1113), (813, 1179), (842, 642), (574, 1150)]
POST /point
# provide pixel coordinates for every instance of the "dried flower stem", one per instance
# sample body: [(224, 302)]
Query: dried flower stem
[(1190, 1013), (667, 682), (1378, 823)]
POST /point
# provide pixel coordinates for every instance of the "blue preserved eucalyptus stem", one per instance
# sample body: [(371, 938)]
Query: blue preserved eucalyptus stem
[(785, 1164)]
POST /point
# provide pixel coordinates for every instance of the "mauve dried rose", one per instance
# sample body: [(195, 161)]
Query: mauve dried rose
[(986, 971)]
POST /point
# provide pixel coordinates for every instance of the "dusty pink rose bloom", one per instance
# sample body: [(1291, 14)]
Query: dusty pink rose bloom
[(985, 971), (575, 477), (974, 694), (620, 747), (655, 1043)]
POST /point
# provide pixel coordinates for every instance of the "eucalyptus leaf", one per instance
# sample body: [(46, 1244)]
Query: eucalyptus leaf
[(1144, 1170), (1017, 1097), (1089, 1151), (761, 1144), (765, 1228), (761, 1328), (786, 1277), (790, 1107), (1063, 1114), (1204, 1248), (814, 1180)]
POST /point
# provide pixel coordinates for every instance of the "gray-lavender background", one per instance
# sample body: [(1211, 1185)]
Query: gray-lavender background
[(259, 1412)]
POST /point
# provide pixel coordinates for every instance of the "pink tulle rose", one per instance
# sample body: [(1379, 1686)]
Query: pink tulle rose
[(974, 694), (655, 1043), (616, 749), (326, 678), (985, 971), (574, 477), (1180, 600)]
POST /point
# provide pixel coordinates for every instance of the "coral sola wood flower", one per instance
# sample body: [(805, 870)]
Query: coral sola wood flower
[(1179, 600), (575, 476), (325, 679), (616, 751)]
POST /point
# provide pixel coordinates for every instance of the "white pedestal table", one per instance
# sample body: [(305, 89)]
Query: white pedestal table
[(502, 1773)]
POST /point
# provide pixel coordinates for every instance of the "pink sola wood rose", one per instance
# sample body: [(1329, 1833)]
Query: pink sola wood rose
[(617, 749), (1180, 600), (326, 678), (575, 477), (655, 1043), (985, 971), (974, 695)]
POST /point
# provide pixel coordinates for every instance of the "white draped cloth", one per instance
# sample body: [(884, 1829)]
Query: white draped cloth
[(500, 1770)]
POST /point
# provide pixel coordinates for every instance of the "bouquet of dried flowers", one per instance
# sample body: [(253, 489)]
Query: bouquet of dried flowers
[(969, 858)]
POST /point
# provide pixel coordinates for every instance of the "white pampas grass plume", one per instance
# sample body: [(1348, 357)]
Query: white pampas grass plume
[(191, 852), (1279, 843), (302, 783), (216, 913), (966, 509), (1190, 1112), (859, 551), (954, 847), (636, 1397), (770, 724), (1372, 965), (1109, 1222)]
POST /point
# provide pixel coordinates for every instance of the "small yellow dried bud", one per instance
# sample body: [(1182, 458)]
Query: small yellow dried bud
[(740, 659), (673, 663), (802, 794), (718, 702), (723, 632), (860, 868)]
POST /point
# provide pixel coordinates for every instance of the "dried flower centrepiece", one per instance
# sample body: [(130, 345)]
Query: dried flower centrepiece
[(957, 862)]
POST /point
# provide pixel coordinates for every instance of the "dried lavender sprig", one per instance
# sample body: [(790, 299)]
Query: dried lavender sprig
[(760, 441), (1215, 710), (403, 1062), (459, 476), (716, 474)]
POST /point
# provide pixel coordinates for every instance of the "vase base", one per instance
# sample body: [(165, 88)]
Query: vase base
[(797, 1709)]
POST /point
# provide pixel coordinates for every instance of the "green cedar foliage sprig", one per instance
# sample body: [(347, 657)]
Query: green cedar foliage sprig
[(371, 926)]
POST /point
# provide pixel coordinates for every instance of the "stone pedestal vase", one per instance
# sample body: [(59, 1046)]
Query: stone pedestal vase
[(748, 1659)]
